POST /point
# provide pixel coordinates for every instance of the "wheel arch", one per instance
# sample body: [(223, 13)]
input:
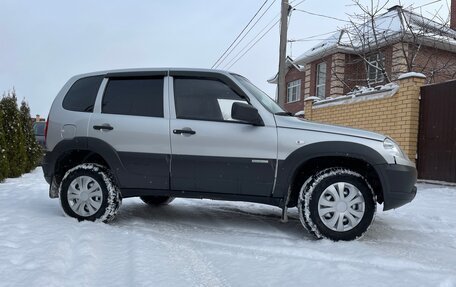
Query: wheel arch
[(307, 160), (70, 153)]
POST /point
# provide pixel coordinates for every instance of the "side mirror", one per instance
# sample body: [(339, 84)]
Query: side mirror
[(246, 113)]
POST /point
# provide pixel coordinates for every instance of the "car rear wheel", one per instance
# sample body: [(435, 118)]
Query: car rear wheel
[(157, 200), (337, 203), (89, 192)]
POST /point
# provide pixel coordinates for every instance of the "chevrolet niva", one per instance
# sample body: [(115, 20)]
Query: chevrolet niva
[(158, 134)]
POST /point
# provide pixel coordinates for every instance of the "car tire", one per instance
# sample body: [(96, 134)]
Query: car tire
[(337, 204), (157, 200), (89, 192)]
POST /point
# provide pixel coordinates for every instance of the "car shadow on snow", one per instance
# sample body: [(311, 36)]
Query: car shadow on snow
[(251, 220)]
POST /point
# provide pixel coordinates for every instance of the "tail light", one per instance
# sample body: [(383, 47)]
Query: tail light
[(46, 130)]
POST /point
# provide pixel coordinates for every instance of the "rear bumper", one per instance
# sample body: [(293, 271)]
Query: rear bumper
[(398, 184), (47, 168)]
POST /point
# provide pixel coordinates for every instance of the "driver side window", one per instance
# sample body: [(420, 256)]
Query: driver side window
[(204, 99)]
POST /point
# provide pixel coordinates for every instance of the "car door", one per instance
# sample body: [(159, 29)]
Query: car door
[(211, 152), (130, 117)]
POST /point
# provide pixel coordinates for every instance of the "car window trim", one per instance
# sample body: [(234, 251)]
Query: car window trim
[(208, 76), (71, 86), (115, 76)]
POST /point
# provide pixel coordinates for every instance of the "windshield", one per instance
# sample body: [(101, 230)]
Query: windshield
[(261, 96)]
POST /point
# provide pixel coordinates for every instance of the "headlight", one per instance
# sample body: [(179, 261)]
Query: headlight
[(393, 148)]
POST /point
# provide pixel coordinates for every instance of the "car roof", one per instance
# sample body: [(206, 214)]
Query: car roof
[(150, 70)]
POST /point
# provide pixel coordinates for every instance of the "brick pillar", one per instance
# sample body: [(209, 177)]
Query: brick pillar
[(337, 75), (409, 111), (453, 15), (398, 60), (308, 106), (307, 80)]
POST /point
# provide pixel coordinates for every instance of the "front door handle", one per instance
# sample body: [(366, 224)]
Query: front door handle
[(184, 131), (103, 127)]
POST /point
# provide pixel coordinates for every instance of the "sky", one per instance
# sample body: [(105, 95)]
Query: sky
[(44, 43)]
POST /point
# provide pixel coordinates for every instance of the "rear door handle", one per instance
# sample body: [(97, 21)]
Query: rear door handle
[(103, 127), (184, 131)]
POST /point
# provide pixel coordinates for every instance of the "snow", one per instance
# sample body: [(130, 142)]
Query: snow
[(411, 74), (360, 95), (312, 98), (215, 243)]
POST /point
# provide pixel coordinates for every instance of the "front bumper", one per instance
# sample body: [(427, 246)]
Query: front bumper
[(398, 184)]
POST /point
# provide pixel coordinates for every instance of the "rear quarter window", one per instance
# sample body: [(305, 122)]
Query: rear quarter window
[(82, 94)]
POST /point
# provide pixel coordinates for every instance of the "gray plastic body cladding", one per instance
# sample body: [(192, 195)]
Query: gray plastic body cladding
[(222, 175), (289, 167), (398, 183), (131, 192), (50, 159), (132, 170)]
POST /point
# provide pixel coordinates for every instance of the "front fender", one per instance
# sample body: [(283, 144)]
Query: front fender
[(289, 167)]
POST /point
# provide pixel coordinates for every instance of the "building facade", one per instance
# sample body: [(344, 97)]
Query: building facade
[(337, 66)]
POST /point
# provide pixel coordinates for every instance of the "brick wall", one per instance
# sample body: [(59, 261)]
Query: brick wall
[(292, 75), (437, 65), (396, 116)]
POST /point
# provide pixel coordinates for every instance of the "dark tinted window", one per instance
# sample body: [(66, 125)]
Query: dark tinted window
[(138, 97), (38, 128), (204, 99), (81, 96)]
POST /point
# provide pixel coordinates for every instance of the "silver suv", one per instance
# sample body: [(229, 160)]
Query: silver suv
[(158, 134)]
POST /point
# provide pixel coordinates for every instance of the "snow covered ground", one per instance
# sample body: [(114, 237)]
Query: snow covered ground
[(213, 243)]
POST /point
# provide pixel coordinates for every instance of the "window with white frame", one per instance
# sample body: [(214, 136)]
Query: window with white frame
[(375, 66), (294, 91), (320, 90)]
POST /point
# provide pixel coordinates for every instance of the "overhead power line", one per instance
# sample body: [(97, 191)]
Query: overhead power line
[(250, 42), (221, 58), (254, 44), (243, 37), (310, 38), (254, 40), (321, 15)]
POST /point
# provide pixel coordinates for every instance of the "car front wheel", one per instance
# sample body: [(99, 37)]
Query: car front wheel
[(337, 203)]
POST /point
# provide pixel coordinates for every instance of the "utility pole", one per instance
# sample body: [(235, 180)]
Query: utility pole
[(281, 85)]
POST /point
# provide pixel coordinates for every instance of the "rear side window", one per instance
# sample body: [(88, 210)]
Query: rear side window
[(81, 96), (134, 96)]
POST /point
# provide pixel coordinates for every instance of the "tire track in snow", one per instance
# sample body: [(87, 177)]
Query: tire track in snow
[(194, 266)]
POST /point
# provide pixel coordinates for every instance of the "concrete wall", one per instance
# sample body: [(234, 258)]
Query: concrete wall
[(396, 116)]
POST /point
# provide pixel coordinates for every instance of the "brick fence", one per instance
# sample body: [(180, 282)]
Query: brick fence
[(396, 116)]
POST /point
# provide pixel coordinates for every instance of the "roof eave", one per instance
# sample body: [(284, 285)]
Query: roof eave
[(326, 52)]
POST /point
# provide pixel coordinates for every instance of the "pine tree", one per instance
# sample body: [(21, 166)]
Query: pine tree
[(33, 149), (14, 135), (3, 156)]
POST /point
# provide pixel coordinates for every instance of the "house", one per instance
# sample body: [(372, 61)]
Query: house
[(37, 118), (372, 54)]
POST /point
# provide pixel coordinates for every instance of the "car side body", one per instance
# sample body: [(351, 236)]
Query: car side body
[(182, 150)]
